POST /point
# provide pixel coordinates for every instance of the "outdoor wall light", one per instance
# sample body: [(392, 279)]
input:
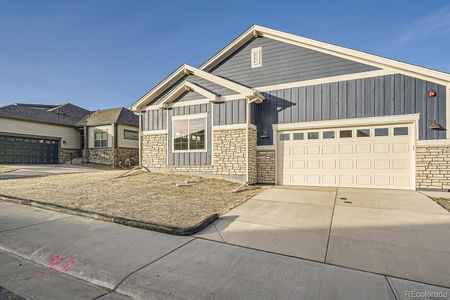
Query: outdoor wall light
[(432, 93), (265, 134), (434, 125)]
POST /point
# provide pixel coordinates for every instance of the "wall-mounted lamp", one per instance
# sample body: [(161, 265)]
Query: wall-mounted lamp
[(64, 142), (434, 125), (432, 93), (265, 134)]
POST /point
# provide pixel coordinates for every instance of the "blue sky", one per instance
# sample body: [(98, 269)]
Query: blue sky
[(100, 54)]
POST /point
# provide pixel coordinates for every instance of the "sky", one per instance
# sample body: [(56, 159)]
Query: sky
[(108, 53)]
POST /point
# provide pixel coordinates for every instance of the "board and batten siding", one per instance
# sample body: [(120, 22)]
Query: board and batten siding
[(369, 97), (283, 63), (70, 135), (225, 113), (230, 112), (122, 142), (190, 158)]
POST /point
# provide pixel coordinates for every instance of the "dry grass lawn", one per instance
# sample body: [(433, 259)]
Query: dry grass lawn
[(444, 202), (4, 169), (147, 197)]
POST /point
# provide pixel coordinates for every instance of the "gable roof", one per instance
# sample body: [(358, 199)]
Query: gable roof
[(358, 56), (119, 115), (64, 114), (189, 70), (184, 87)]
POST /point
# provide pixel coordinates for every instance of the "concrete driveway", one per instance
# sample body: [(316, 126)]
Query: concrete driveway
[(23, 171), (399, 233)]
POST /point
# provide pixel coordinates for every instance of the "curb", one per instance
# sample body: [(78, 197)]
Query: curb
[(173, 230)]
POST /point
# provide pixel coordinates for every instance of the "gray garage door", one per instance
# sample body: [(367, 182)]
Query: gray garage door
[(24, 150)]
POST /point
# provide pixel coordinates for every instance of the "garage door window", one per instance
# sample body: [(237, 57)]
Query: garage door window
[(381, 131), (298, 136), (345, 134), (328, 134), (363, 133), (401, 131), (313, 135), (284, 137)]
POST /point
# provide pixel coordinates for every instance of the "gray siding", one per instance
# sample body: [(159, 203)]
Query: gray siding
[(369, 97), (207, 85), (188, 96), (230, 112), (195, 158), (155, 119), (283, 63)]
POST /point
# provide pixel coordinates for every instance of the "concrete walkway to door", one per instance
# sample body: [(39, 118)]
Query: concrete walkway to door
[(392, 232)]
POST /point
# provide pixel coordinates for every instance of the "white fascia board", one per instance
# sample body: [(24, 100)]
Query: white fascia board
[(382, 120), (186, 70), (171, 79), (445, 142), (354, 55), (447, 105), (185, 87)]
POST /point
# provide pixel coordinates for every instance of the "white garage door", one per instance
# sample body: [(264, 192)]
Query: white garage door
[(368, 156)]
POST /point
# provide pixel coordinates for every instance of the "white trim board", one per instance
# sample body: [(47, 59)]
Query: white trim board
[(249, 93), (331, 79), (447, 113), (442, 142), (354, 55), (154, 132), (186, 86), (395, 119), (234, 126)]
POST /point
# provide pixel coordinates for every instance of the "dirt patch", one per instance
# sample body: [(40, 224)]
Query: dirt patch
[(145, 197), (444, 202)]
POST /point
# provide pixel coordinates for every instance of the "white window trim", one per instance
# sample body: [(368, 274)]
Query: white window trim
[(190, 117), (255, 51), (101, 140)]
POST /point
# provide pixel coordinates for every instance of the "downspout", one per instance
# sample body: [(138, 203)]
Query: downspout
[(246, 141), (140, 140)]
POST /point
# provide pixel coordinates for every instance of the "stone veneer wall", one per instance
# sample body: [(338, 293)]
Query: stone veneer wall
[(252, 159), (99, 156), (154, 150), (266, 166), (126, 157), (66, 155), (229, 155), (433, 167)]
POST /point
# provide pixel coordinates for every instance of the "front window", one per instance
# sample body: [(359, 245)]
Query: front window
[(100, 139), (189, 134), (130, 135)]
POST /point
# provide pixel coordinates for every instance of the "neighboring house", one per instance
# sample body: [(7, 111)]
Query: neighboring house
[(51, 134), (112, 137), (273, 107)]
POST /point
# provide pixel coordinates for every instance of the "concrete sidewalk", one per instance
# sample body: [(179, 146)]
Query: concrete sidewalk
[(24, 171), (92, 257)]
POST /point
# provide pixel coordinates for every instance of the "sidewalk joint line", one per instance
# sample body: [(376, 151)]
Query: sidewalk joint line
[(390, 285), (331, 225), (221, 237), (148, 264), (31, 225)]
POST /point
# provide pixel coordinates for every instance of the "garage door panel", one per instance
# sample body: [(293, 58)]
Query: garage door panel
[(346, 149), (23, 150), (377, 158), (400, 148), (363, 148), (314, 149), (328, 149)]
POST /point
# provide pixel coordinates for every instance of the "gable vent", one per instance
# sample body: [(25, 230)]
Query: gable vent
[(256, 57)]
